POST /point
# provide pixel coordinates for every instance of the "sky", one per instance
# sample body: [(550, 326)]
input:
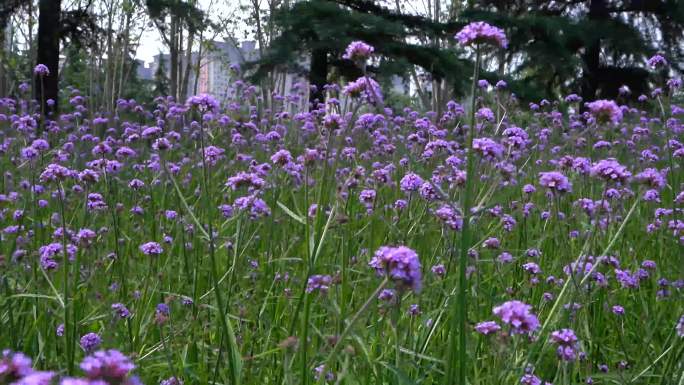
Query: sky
[(151, 43)]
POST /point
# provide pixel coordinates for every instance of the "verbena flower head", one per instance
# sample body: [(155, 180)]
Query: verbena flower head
[(657, 61), (358, 51), (400, 264), (14, 365), (605, 111), (410, 182), (610, 170), (41, 70), (567, 344), (111, 366), (151, 248), (555, 181), (487, 327), (55, 173), (89, 342), (203, 102), (651, 177), (365, 87), (36, 378), (479, 32), (318, 282), (518, 315)]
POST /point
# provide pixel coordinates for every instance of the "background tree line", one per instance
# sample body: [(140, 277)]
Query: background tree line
[(589, 47)]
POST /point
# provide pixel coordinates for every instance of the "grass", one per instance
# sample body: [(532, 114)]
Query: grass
[(236, 286)]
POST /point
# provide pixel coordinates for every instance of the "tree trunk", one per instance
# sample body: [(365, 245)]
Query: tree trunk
[(188, 66), (3, 73), (173, 57), (48, 52), (592, 54), (318, 74)]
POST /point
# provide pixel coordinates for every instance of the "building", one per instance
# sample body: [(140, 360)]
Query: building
[(220, 63)]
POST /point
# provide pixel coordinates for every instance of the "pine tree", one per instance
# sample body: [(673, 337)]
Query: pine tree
[(161, 80)]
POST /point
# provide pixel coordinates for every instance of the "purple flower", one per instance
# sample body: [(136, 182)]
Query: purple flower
[(518, 315), (387, 295), (485, 113), (14, 365), (151, 248), (605, 111), (491, 243), (367, 196), (282, 157), (488, 148), (530, 379), (108, 365), (651, 177), (121, 310), (41, 70), (567, 344), (318, 282), (555, 181), (203, 102), (213, 155), (36, 378), (358, 51), (400, 264), (438, 270), (171, 381), (610, 170), (481, 33), (364, 87), (89, 342), (680, 326), (413, 310), (410, 182), (657, 61), (55, 173), (487, 327)]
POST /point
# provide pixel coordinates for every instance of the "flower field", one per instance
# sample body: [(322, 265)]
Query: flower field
[(346, 242)]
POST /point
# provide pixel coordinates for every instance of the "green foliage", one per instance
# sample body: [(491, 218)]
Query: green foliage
[(547, 56), (186, 11), (161, 80), (331, 26)]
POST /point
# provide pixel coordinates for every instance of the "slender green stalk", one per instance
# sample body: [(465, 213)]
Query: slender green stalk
[(234, 358), (68, 327), (457, 348), (350, 326)]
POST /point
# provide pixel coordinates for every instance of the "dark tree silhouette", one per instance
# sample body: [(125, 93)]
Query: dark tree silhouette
[(49, 32)]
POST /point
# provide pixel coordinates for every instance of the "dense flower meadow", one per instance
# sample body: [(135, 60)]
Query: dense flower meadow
[(201, 242)]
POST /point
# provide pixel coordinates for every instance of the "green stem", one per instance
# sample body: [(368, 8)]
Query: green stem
[(68, 330), (348, 329), (234, 358), (457, 349)]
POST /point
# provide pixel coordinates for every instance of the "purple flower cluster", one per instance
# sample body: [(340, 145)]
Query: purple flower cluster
[(364, 87), (657, 61), (567, 344), (109, 367), (203, 102), (479, 32), (358, 51), (41, 70), (151, 248), (605, 111), (400, 264), (610, 170), (319, 282), (518, 316), (555, 181)]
